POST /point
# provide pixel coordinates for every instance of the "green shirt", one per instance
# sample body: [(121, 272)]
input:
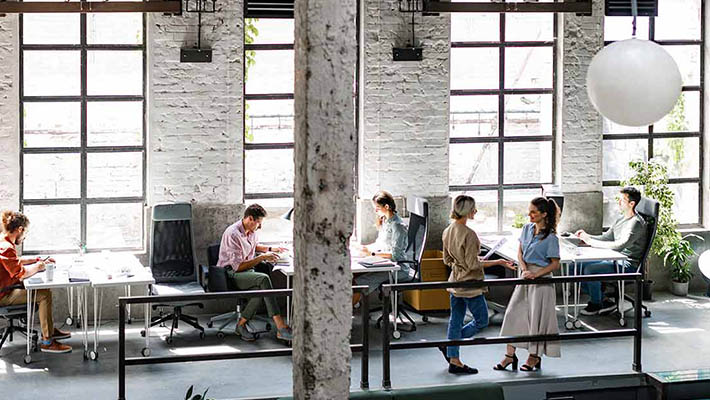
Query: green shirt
[(627, 236)]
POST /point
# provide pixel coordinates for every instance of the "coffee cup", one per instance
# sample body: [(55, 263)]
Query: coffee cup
[(49, 271)]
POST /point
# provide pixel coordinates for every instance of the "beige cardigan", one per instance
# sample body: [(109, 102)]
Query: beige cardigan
[(461, 248)]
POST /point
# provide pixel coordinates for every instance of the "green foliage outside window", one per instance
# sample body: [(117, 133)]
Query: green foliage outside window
[(250, 33)]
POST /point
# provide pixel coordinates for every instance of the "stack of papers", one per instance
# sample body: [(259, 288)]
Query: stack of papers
[(374, 261), (78, 275)]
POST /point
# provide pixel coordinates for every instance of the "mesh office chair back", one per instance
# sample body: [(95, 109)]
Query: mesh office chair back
[(172, 257), (418, 208), (649, 210)]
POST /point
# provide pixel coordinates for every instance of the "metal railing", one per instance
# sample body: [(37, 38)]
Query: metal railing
[(123, 362), (388, 289)]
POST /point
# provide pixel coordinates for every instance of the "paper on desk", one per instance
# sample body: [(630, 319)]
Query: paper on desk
[(495, 248), (373, 260)]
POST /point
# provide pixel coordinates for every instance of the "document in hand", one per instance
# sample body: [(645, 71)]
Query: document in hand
[(495, 248), (374, 261)]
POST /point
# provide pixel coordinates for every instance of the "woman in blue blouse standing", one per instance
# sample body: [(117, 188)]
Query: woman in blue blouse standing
[(531, 310)]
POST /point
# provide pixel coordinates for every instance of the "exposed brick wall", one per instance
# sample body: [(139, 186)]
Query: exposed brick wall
[(195, 114), (9, 116)]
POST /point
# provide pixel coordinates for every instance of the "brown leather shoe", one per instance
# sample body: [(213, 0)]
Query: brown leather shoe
[(60, 334), (54, 347)]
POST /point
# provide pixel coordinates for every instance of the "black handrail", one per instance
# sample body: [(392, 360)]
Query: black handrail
[(388, 289), (123, 361)]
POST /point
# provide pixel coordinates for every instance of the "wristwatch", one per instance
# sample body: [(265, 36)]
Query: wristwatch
[(373, 253), (269, 248)]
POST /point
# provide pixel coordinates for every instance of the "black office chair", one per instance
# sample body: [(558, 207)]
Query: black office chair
[(15, 313), (649, 210), (172, 263), (417, 231)]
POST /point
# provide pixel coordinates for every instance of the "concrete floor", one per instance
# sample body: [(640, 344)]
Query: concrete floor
[(675, 337)]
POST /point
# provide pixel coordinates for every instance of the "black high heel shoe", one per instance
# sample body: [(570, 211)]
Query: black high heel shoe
[(530, 368), (514, 363)]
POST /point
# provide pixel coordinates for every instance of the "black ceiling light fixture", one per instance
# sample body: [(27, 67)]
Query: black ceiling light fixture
[(624, 8), (198, 54), (411, 51)]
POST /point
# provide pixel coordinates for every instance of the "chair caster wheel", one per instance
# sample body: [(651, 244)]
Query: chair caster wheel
[(86, 355), (396, 334), (69, 321), (209, 324), (577, 324), (220, 335), (169, 340), (78, 324), (647, 313), (27, 359), (93, 356), (622, 322), (145, 352), (425, 318), (142, 332), (569, 325), (202, 335)]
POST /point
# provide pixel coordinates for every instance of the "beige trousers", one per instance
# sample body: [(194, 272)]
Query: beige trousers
[(44, 299)]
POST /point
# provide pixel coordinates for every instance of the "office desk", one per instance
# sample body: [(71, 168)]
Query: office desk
[(390, 268), (570, 257), (60, 281)]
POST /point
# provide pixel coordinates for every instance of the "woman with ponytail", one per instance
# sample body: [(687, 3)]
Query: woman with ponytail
[(531, 310)]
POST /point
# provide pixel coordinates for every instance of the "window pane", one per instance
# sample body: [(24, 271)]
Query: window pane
[(480, 27), (473, 116), (473, 163), (115, 72), (51, 176), (268, 171), (515, 204), (610, 206), (51, 73), (115, 123), (54, 227), (272, 72), (114, 225), (51, 124), (678, 19), (50, 28), (618, 153), (685, 208), (114, 28), (529, 27), (619, 28), (114, 174), (486, 219), (269, 121), (610, 127), (527, 115), (274, 228), (474, 68), (528, 67), (528, 162), (685, 116), (277, 30), (688, 60), (680, 155)]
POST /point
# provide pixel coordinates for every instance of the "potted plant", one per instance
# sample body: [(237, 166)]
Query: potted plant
[(677, 253)]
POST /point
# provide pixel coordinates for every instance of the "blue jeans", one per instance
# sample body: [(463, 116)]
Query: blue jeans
[(594, 289), (479, 309)]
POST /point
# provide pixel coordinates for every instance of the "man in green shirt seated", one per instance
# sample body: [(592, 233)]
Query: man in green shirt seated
[(627, 236)]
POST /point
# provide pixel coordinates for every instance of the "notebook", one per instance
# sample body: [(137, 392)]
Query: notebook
[(374, 261)]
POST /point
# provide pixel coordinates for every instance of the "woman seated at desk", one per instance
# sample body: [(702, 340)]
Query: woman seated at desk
[(391, 243), (14, 270)]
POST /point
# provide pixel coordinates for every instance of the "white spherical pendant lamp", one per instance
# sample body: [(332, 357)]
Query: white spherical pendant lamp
[(633, 82)]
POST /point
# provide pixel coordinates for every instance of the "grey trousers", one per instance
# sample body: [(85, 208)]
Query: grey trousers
[(252, 280)]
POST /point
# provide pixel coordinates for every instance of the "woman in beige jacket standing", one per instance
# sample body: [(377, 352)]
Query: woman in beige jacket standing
[(461, 248)]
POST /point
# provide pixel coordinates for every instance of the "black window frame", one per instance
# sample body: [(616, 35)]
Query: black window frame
[(501, 44), (84, 149), (650, 135)]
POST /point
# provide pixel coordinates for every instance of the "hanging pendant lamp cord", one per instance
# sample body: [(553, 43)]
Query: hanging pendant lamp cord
[(634, 13)]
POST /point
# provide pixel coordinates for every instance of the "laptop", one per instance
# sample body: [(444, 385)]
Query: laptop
[(575, 241)]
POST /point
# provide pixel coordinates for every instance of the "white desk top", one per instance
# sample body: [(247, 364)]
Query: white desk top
[(568, 252), (356, 268)]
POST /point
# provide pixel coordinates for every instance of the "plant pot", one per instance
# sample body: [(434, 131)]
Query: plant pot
[(648, 290), (679, 289)]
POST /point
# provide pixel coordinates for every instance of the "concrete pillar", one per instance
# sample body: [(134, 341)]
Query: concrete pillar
[(579, 151), (9, 115), (325, 150)]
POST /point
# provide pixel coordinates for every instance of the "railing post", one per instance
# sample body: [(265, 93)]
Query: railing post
[(365, 356), (638, 324), (122, 349), (386, 298)]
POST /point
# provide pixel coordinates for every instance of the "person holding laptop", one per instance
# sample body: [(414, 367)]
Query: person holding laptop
[(14, 270), (627, 236)]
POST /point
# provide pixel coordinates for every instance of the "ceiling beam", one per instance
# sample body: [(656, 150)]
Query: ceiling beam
[(580, 7), (81, 7)]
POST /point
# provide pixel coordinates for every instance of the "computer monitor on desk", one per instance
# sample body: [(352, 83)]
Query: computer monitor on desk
[(555, 193)]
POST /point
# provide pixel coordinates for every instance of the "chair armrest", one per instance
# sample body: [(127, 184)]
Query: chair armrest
[(204, 273)]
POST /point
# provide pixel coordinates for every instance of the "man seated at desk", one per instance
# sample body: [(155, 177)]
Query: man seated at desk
[(14, 270), (627, 236), (237, 253)]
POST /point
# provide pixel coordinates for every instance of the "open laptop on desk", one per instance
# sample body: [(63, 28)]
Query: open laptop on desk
[(575, 241)]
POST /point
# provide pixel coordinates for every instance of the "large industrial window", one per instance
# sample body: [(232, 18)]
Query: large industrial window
[(676, 140), (82, 130), (502, 120)]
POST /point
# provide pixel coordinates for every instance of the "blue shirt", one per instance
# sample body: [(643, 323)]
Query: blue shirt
[(392, 238), (537, 250)]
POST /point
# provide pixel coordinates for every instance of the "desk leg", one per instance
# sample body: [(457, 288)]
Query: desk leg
[(288, 301), (128, 312), (565, 296), (30, 322), (146, 312), (395, 333), (622, 288), (84, 304), (98, 306)]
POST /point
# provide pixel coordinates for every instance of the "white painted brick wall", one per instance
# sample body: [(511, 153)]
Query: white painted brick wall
[(195, 109), (580, 158), (9, 114), (405, 116)]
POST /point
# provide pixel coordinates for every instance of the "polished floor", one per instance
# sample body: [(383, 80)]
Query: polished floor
[(675, 337)]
